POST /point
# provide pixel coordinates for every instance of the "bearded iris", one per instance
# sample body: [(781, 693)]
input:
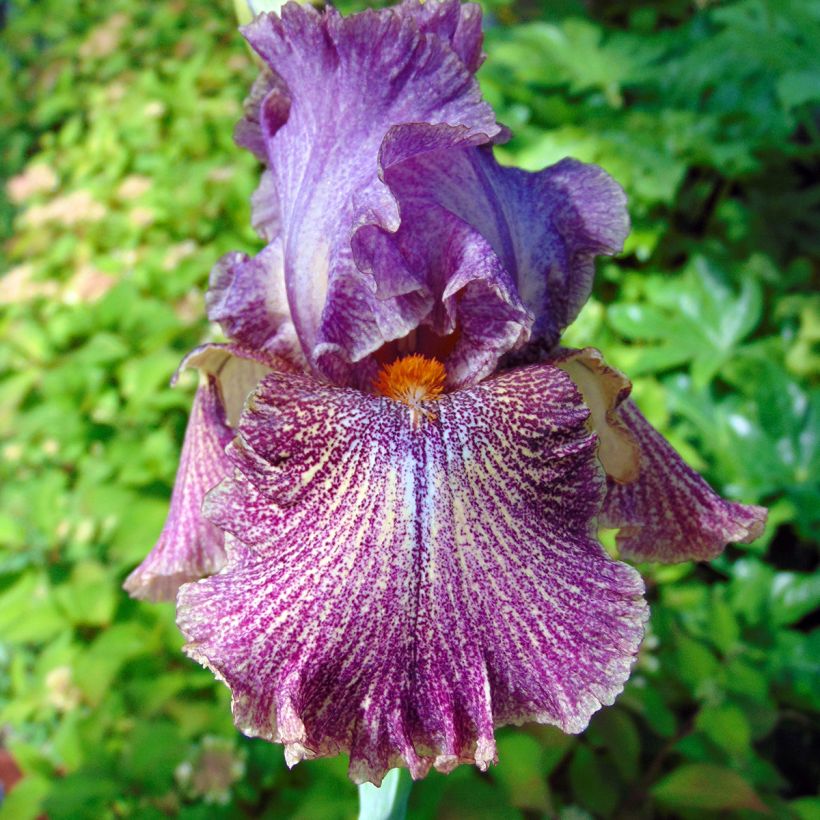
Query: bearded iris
[(384, 525)]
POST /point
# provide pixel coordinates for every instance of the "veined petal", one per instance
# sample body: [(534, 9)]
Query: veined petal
[(670, 513), (406, 581), (456, 23), (468, 294), (339, 85), (189, 546), (451, 20)]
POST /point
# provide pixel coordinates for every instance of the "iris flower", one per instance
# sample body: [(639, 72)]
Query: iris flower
[(383, 531)]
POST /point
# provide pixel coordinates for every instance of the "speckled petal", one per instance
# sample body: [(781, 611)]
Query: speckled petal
[(340, 85), (189, 546), (401, 588), (670, 513)]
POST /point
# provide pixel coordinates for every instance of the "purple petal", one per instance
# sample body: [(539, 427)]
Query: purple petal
[(247, 297), (492, 257), (545, 228), (341, 84), (670, 513), (248, 132), (266, 215), (451, 20), (457, 284), (402, 588), (189, 546)]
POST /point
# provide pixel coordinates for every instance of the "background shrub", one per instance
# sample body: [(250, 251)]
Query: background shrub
[(123, 187)]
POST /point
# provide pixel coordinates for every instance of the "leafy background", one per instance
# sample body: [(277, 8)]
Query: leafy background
[(123, 187)]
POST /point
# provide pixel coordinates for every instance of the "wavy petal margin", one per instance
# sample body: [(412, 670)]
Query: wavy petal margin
[(670, 514), (337, 86), (247, 298), (400, 587), (394, 216), (189, 546), (604, 389), (545, 228)]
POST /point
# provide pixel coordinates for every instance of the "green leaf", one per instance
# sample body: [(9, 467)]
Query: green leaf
[(90, 595), (28, 612), (793, 595), (82, 796), (726, 726), (696, 663), (25, 801), (696, 319), (617, 732), (152, 752), (796, 665), (706, 786), (594, 782), (806, 808), (521, 775)]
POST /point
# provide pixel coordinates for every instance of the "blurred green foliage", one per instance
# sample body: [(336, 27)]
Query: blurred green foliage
[(124, 187)]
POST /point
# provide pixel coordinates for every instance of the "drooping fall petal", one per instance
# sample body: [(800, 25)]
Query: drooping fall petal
[(670, 513), (401, 580), (189, 545)]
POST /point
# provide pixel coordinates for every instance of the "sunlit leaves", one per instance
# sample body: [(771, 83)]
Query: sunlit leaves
[(706, 113)]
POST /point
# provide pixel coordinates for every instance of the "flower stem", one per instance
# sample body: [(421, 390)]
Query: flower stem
[(387, 802)]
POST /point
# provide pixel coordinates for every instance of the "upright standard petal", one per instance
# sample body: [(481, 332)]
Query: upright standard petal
[(189, 546), (403, 578), (670, 513), (338, 86), (457, 23), (545, 228)]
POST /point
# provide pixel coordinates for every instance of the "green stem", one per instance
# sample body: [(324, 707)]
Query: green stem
[(387, 802)]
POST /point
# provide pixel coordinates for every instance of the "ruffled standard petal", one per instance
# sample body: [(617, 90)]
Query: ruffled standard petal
[(405, 582), (451, 21), (670, 513), (457, 23), (471, 302), (339, 85), (545, 228), (189, 546)]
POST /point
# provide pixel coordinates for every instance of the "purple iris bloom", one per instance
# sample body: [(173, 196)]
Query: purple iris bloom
[(402, 471)]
